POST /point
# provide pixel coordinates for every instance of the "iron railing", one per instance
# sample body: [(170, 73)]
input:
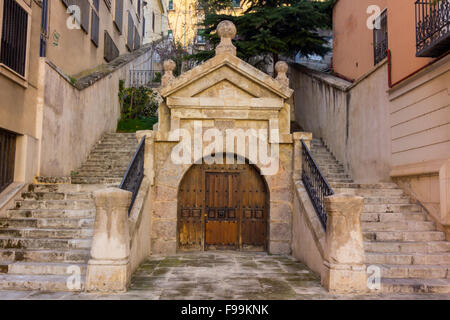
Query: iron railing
[(315, 183), (14, 36), (135, 173), (148, 78), (432, 27), (7, 158)]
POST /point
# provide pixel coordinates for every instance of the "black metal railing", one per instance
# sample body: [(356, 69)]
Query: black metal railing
[(7, 158), (432, 27), (315, 183), (148, 78), (135, 173)]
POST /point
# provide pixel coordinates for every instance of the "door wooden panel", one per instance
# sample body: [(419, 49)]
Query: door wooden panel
[(223, 207), (190, 210)]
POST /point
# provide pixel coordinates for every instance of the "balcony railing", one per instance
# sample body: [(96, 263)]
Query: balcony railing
[(146, 78), (432, 27)]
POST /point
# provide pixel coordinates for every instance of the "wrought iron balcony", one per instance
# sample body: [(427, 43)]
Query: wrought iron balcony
[(432, 27)]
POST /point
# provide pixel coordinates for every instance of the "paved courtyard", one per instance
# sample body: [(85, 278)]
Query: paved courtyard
[(218, 276)]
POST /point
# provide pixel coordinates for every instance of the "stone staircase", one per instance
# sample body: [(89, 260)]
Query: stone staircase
[(46, 237), (399, 237), (108, 161)]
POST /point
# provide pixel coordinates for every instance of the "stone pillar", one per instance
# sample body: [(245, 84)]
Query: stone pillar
[(345, 271), (109, 267), (444, 189), (297, 165)]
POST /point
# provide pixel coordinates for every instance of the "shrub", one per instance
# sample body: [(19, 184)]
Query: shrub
[(137, 102)]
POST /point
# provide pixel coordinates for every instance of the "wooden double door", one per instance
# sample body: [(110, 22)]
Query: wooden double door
[(223, 207)]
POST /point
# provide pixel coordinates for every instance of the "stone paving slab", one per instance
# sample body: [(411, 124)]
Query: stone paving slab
[(218, 276)]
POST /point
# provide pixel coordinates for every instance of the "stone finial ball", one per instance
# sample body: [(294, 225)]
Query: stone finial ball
[(281, 67), (226, 29), (169, 65)]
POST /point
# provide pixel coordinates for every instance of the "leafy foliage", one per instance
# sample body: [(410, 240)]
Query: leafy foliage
[(137, 102), (272, 27)]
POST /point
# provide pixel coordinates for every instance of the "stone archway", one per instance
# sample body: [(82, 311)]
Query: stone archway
[(223, 206)]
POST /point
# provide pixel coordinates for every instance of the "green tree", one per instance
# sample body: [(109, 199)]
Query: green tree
[(271, 27)]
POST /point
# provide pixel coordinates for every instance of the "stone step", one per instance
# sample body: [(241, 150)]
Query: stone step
[(403, 236), (385, 185), (55, 204), (56, 195), (110, 181), (37, 282), (97, 173), (336, 180), (408, 258), (390, 217), (407, 247), (415, 271), (64, 188), (46, 244), (101, 167), (369, 192), (48, 214), (47, 233), (44, 268), (387, 200), (399, 226), (53, 180), (415, 285), (392, 208), (73, 255), (63, 223)]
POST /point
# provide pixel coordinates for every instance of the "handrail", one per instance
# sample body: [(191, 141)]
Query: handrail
[(134, 175), (315, 183)]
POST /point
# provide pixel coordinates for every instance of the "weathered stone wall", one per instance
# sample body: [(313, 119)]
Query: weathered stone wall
[(353, 119)]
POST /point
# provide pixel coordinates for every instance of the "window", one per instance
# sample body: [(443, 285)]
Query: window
[(171, 5), (236, 3), (95, 28), (108, 4), (137, 39), (118, 14), (130, 32), (7, 156), (201, 39), (153, 21), (380, 38), (110, 50), (44, 29), (139, 9), (14, 37), (96, 4), (170, 34)]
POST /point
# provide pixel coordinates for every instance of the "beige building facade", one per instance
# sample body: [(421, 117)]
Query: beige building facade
[(52, 53), (156, 20), (185, 17)]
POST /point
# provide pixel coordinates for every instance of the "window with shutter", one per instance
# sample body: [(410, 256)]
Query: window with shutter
[(137, 39), (95, 28), (13, 47), (118, 15), (130, 35), (85, 9), (110, 49)]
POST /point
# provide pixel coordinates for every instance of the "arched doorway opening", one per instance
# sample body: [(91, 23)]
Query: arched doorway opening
[(223, 207)]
